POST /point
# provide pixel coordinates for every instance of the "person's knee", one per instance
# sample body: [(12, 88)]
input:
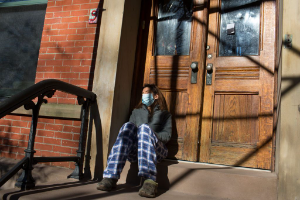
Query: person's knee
[(127, 128)]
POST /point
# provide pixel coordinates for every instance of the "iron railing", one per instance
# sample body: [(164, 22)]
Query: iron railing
[(40, 90)]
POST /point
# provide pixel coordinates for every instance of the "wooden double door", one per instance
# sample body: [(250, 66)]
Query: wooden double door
[(214, 62)]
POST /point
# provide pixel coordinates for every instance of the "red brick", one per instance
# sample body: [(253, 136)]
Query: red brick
[(66, 44), (69, 19), (45, 133), (71, 129), (52, 75), (78, 25), (48, 44), (80, 1), (45, 38), (20, 156), (49, 154), (43, 147), (25, 131), (60, 26), (8, 155), (68, 31), (75, 37), (86, 31), (77, 123), (44, 69), (12, 117), (58, 38), (69, 143), (54, 50), (54, 62), (10, 142), (25, 118), (74, 151), (20, 123), (61, 164), (72, 62), (80, 13), (47, 56), (3, 135), (71, 96), (39, 75), (49, 15), (6, 148), (73, 50), (76, 136), (23, 144), (65, 154), (51, 32), (83, 18), (63, 56), (62, 69), (69, 75), (19, 150), (71, 7), (87, 49), (90, 37), (87, 61), (10, 129), (84, 43), (46, 120), (54, 127), (52, 21), (63, 2), (82, 56), (63, 135), (5, 122), (54, 9), (62, 14), (89, 6), (84, 75), (62, 149), (64, 122), (50, 3), (52, 141), (17, 137), (79, 82), (52, 100), (66, 101)]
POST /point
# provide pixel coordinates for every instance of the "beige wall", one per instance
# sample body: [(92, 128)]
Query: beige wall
[(113, 75), (289, 142)]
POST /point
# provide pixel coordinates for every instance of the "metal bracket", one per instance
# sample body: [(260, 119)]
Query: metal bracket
[(288, 39)]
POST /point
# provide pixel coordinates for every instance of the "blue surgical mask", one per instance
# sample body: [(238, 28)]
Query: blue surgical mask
[(147, 99)]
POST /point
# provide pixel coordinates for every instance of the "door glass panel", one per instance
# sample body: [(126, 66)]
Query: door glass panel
[(239, 30), (173, 27)]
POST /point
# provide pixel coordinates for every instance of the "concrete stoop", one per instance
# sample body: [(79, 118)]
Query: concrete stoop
[(208, 180), (177, 181)]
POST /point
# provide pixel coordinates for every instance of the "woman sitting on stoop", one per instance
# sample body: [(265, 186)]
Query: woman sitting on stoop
[(141, 139)]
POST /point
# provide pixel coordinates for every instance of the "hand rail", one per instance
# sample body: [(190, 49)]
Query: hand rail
[(34, 91), (25, 97)]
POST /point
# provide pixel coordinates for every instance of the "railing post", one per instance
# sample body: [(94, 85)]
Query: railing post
[(26, 181), (77, 173)]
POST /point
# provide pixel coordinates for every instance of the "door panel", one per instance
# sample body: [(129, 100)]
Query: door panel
[(238, 105), (172, 73)]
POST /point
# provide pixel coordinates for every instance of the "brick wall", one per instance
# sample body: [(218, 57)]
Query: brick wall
[(67, 53)]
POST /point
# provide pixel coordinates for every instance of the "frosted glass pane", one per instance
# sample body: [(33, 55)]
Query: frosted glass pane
[(173, 27), (239, 30)]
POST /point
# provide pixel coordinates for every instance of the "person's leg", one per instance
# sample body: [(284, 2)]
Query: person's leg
[(150, 151), (124, 144)]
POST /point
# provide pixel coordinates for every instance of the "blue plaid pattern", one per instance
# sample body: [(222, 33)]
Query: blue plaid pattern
[(135, 144)]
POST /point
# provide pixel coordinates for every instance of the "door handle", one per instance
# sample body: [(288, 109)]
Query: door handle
[(194, 67), (209, 71)]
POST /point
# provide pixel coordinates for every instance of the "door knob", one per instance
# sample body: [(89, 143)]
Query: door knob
[(209, 67), (194, 67)]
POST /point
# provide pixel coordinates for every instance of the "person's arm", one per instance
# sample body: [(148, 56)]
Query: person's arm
[(165, 134), (132, 118)]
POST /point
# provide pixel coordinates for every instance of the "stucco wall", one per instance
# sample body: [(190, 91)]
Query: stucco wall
[(289, 147), (113, 75)]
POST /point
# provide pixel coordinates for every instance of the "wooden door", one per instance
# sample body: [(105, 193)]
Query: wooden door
[(237, 121), (168, 66)]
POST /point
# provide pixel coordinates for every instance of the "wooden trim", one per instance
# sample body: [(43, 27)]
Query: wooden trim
[(23, 3), (54, 110)]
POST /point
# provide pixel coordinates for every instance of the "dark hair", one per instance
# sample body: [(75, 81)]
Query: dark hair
[(160, 101)]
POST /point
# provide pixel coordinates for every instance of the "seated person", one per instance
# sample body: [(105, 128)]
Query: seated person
[(141, 140)]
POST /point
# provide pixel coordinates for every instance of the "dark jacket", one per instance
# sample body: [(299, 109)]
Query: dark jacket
[(160, 123)]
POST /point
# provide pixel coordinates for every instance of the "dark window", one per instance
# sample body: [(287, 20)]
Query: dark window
[(20, 37)]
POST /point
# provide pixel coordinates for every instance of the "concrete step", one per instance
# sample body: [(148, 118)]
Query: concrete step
[(210, 180), (41, 173), (75, 190)]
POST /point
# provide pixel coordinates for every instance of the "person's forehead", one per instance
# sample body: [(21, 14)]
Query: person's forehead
[(146, 89)]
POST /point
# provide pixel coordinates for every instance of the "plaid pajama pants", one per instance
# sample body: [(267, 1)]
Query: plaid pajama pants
[(135, 144)]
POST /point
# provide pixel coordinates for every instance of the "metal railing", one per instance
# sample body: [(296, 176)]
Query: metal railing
[(45, 88)]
